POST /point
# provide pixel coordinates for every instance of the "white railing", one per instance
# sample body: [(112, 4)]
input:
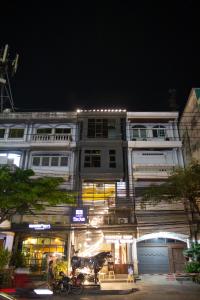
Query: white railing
[(153, 168), (51, 138)]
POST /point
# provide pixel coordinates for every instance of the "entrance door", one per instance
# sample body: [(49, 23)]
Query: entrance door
[(153, 259), (178, 259)]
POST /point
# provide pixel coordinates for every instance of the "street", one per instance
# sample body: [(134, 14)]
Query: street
[(149, 288)]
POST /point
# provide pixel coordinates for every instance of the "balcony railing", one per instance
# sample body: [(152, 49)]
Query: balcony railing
[(152, 171), (50, 138)]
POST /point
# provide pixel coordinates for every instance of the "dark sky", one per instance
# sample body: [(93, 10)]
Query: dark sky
[(116, 54)]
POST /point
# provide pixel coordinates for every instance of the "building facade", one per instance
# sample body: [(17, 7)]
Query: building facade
[(44, 142), (108, 157), (189, 127), (154, 150)]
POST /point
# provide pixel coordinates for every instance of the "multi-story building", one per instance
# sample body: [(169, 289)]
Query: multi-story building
[(108, 157), (189, 127), (154, 150), (44, 142), (102, 182)]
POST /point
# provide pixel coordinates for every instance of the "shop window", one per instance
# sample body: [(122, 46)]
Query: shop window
[(112, 158), (44, 130), (2, 133), (62, 130), (159, 131), (92, 159), (16, 133), (38, 250), (98, 193)]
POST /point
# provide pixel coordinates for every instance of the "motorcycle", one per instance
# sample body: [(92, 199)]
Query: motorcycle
[(66, 285)]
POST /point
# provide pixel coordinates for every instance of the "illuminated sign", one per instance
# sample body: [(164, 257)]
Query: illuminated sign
[(79, 215), (39, 226), (115, 239)]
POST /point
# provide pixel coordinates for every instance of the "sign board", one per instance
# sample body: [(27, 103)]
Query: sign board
[(79, 215), (121, 189), (39, 226), (116, 239)]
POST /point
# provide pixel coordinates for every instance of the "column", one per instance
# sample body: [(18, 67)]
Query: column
[(9, 240), (134, 255)]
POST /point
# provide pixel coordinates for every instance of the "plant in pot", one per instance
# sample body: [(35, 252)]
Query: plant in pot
[(4, 260), (18, 260), (193, 257)]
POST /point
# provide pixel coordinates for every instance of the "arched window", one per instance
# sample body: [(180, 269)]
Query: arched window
[(159, 131), (139, 132)]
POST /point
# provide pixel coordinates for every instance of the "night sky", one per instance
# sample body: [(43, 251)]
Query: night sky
[(96, 54)]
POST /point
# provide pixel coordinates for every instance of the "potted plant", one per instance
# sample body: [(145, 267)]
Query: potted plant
[(4, 260), (193, 261)]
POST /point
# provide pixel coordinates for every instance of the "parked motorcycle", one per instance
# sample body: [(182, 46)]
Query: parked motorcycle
[(66, 285)]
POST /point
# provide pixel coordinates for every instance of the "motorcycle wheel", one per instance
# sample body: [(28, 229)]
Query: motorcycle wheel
[(65, 290), (77, 289)]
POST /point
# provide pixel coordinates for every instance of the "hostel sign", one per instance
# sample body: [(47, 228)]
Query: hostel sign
[(79, 215)]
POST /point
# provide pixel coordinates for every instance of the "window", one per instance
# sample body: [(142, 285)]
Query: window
[(98, 193), (92, 159), (159, 131), (139, 132), (16, 133), (45, 161), (112, 158), (62, 130), (36, 161), (97, 128), (63, 161), (2, 133), (50, 161), (55, 161), (44, 131)]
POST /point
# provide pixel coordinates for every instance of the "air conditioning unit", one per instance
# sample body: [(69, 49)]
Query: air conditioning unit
[(122, 220)]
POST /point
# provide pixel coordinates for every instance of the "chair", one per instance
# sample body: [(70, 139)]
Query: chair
[(111, 275), (101, 276)]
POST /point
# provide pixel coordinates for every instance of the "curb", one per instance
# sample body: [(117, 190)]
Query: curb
[(110, 292)]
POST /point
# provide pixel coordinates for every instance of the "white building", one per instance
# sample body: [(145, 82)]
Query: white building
[(189, 127), (44, 142), (108, 157), (154, 150)]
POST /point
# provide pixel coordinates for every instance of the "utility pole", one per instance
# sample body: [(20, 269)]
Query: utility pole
[(8, 67)]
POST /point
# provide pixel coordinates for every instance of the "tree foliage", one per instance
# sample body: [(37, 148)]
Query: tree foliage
[(183, 185), (21, 193)]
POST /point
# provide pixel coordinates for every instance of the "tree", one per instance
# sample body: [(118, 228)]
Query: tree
[(183, 185), (21, 193)]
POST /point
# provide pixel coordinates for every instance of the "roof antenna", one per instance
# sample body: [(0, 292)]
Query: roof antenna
[(7, 67)]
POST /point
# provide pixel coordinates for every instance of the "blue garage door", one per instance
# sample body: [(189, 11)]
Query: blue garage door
[(153, 260)]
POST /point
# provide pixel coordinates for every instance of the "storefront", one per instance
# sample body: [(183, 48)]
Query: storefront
[(90, 242), (37, 250), (38, 242)]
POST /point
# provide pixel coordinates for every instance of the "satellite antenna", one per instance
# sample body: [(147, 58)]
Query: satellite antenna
[(7, 67)]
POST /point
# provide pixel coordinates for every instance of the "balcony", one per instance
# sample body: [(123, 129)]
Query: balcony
[(155, 143), (51, 138), (35, 140), (152, 171)]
